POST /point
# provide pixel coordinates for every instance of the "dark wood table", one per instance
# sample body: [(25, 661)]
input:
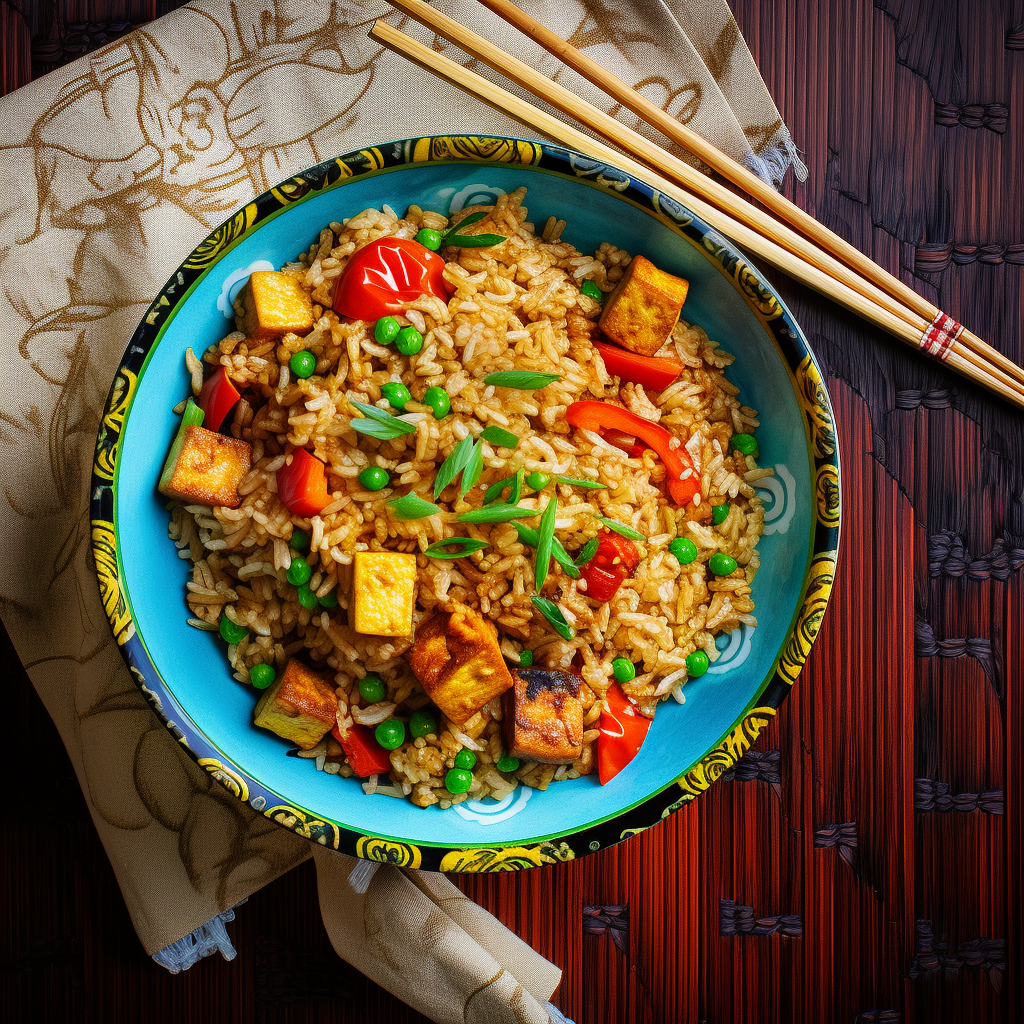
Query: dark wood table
[(863, 864)]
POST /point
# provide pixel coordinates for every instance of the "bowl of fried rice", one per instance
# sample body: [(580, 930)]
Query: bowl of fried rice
[(465, 503)]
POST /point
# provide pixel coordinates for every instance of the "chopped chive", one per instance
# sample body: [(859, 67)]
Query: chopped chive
[(545, 541), (497, 514), (522, 380), (464, 546), (554, 615), (617, 527), (528, 535), (591, 484), (588, 552), (453, 465), (412, 506), (499, 437), (474, 467)]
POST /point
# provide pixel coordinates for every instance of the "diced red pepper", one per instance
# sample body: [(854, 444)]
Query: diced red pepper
[(655, 372), (602, 584), (615, 559), (217, 398), (366, 756), (383, 276), (683, 482), (302, 484), (623, 730)]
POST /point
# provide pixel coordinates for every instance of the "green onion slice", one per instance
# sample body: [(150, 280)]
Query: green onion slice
[(497, 514), (617, 527), (474, 467), (378, 423), (545, 541), (192, 416), (453, 465), (412, 506), (554, 615), (473, 241), (463, 546), (591, 484), (499, 437), (528, 535), (515, 485), (588, 552), (523, 380)]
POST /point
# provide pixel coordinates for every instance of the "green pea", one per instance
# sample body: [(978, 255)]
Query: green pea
[(303, 364), (396, 393), (385, 330), (373, 478), (623, 669), (719, 513), (438, 400), (298, 572), (423, 723), (261, 676), (465, 759), (592, 291), (746, 444), (722, 564), (329, 600), (684, 549), (390, 734), (458, 780), (429, 238), (696, 664), (538, 481), (525, 659), (371, 688), (507, 763), (299, 540), (307, 598), (231, 631), (410, 341)]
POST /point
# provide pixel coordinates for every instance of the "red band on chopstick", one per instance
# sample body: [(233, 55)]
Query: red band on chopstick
[(940, 334)]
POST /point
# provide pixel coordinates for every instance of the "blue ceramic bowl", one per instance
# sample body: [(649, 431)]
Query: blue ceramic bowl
[(184, 672)]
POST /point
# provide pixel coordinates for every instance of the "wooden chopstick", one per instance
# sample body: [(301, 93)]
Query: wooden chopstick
[(739, 175), (744, 235)]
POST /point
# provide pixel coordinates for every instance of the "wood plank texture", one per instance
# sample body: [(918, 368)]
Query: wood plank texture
[(864, 864)]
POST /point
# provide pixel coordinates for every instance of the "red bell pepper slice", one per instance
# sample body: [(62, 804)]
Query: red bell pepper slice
[(217, 398), (383, 276), (602, 584), (615, 559), (655, 372), (302, 484), (683, 482), (366, 756), (623, 730)]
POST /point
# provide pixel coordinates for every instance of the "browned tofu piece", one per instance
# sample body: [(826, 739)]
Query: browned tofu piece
[(542, 716), (207, 468), (383, 593), (275, 304), (456, 658), (300, 705), (643, 309)]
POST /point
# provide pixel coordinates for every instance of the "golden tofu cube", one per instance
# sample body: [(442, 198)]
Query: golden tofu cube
[(644, 307), (542, 716), (383, 593), (275, 304), (206, 469), (457, 659), (300, 705)]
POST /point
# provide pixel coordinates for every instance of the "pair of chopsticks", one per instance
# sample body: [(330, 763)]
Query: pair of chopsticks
[(818, 257)]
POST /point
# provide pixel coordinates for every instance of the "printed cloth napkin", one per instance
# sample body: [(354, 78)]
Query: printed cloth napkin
[(111, 171)]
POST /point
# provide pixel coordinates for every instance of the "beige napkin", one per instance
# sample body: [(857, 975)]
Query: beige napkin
[(111, 170)]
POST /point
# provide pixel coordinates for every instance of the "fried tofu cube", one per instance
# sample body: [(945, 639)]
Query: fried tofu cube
[(206, 468), (299, 706), (275, 304), (542, 716), (644, 307), (383, 593), (457, 659)]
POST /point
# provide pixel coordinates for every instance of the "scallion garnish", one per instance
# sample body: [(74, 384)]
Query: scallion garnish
[(554, 615), (522, 380), (528, 535), (545, 541), (474, 467), (592, 484), (617, 527), (379, 424), (515, 485), (412, 506), (463, 546), (453, 465), (497, 514), (499, 437), (453, 237), (588, 552)]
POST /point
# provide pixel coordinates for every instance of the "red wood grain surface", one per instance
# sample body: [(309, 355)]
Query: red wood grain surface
[(877, 842)]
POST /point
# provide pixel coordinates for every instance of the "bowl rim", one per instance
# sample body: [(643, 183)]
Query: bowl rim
[(819, 573)]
